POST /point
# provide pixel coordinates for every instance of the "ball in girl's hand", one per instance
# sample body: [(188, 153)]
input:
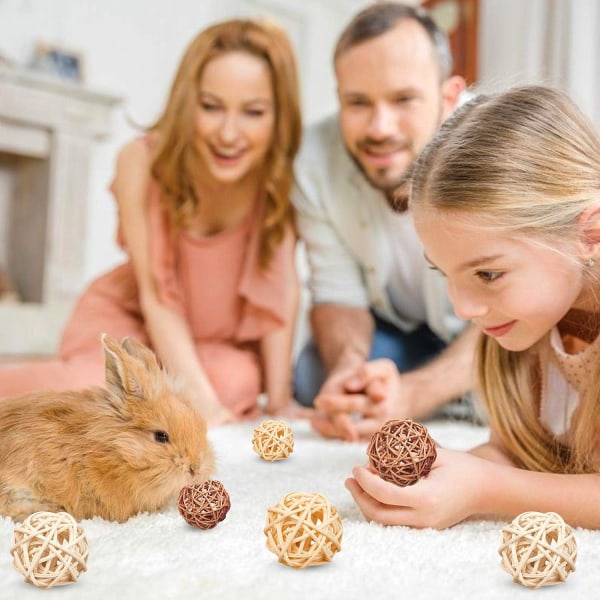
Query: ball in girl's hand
[(402, 452)]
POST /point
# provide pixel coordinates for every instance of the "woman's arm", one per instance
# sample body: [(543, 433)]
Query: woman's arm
[(276, 347), (169, 332)]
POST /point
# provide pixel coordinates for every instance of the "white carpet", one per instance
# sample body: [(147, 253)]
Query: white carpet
[(161, 557)]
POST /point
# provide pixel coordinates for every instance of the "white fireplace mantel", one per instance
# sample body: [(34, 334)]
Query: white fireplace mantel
[(48, 129)]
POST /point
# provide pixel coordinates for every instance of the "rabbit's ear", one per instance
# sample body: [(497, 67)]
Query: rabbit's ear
[(136, 349), (119, 375)]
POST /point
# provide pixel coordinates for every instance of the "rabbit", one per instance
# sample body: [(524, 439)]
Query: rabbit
[(111, 452)]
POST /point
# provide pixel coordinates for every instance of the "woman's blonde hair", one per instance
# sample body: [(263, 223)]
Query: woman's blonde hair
[(529, 162), (176, 156)]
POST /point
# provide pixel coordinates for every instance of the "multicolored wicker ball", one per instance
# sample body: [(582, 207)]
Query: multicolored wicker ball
[(204, 505), (402, 452), (538, 549), (49, 549), (273, 440), (303, 530)]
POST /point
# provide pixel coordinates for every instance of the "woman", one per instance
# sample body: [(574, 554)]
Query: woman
[(205, 219)]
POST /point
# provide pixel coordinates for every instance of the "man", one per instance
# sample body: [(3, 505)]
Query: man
[(373, 294)]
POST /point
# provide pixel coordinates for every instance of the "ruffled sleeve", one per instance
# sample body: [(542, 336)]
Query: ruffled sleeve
[(264, 290)]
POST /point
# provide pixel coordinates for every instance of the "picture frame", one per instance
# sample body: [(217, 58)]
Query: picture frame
[(58, 61)]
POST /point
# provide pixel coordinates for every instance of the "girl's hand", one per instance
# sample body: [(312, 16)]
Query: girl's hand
[(453, 490)]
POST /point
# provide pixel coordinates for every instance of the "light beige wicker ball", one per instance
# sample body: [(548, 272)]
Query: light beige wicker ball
[(303, 530), (49, 549), (273, 440), (538, 549)]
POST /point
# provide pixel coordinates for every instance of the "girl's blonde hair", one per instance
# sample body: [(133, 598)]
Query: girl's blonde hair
[(529, 162), (176, 156)]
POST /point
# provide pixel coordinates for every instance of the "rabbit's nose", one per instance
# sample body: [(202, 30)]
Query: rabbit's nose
[(192, 470)]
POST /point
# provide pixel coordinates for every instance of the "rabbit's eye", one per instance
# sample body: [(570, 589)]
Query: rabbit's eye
[(161, 436)]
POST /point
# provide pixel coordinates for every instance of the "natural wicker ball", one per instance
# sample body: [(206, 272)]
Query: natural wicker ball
[(273, 440), (402, 452), (204, 505), (303, 530), (49, 549), (538, 549)]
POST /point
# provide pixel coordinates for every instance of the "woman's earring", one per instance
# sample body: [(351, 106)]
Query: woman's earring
[(590, 262)]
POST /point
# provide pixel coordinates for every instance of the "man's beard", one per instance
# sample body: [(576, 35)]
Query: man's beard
[(397, 198), (396, 191)]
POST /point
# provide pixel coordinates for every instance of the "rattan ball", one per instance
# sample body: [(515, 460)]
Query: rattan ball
[(273, 440), (303, 530), (538, 549), (204, 505), (49, 549), (402, 452)]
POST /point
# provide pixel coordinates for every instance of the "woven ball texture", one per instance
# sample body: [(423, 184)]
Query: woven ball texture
[(204, 505), (273, 440), (538, 549), (402, 452), (303, 530), (49, 549)]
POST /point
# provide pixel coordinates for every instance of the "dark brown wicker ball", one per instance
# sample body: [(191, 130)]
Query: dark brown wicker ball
[(204, 505), (402, 452)]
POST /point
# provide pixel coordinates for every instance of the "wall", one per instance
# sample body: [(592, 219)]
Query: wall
[(555, 42), (6, 186), (132, 47)]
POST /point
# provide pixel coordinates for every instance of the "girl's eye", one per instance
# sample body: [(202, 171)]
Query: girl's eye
[(209, 107), (489, 276), (255, 112)]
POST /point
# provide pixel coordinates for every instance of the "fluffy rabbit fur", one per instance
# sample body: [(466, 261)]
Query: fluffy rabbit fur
[(110, 452)]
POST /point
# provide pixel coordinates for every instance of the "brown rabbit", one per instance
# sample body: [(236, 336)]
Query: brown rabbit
[(110, 452)]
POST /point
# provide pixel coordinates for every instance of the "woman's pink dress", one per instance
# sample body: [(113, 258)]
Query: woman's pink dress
[(215, 283)]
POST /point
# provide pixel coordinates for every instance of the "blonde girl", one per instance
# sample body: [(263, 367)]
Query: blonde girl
[(205, 218), (506, 201)]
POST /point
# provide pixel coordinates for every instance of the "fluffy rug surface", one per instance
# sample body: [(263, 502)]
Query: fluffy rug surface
[(161, 557)]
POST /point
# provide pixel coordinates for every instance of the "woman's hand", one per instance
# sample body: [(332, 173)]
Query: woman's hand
[(454, 489), (217, 414), (210, 406), (290, 410)]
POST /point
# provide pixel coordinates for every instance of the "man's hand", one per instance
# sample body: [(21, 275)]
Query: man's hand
[(330, 420), (354, 404)]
